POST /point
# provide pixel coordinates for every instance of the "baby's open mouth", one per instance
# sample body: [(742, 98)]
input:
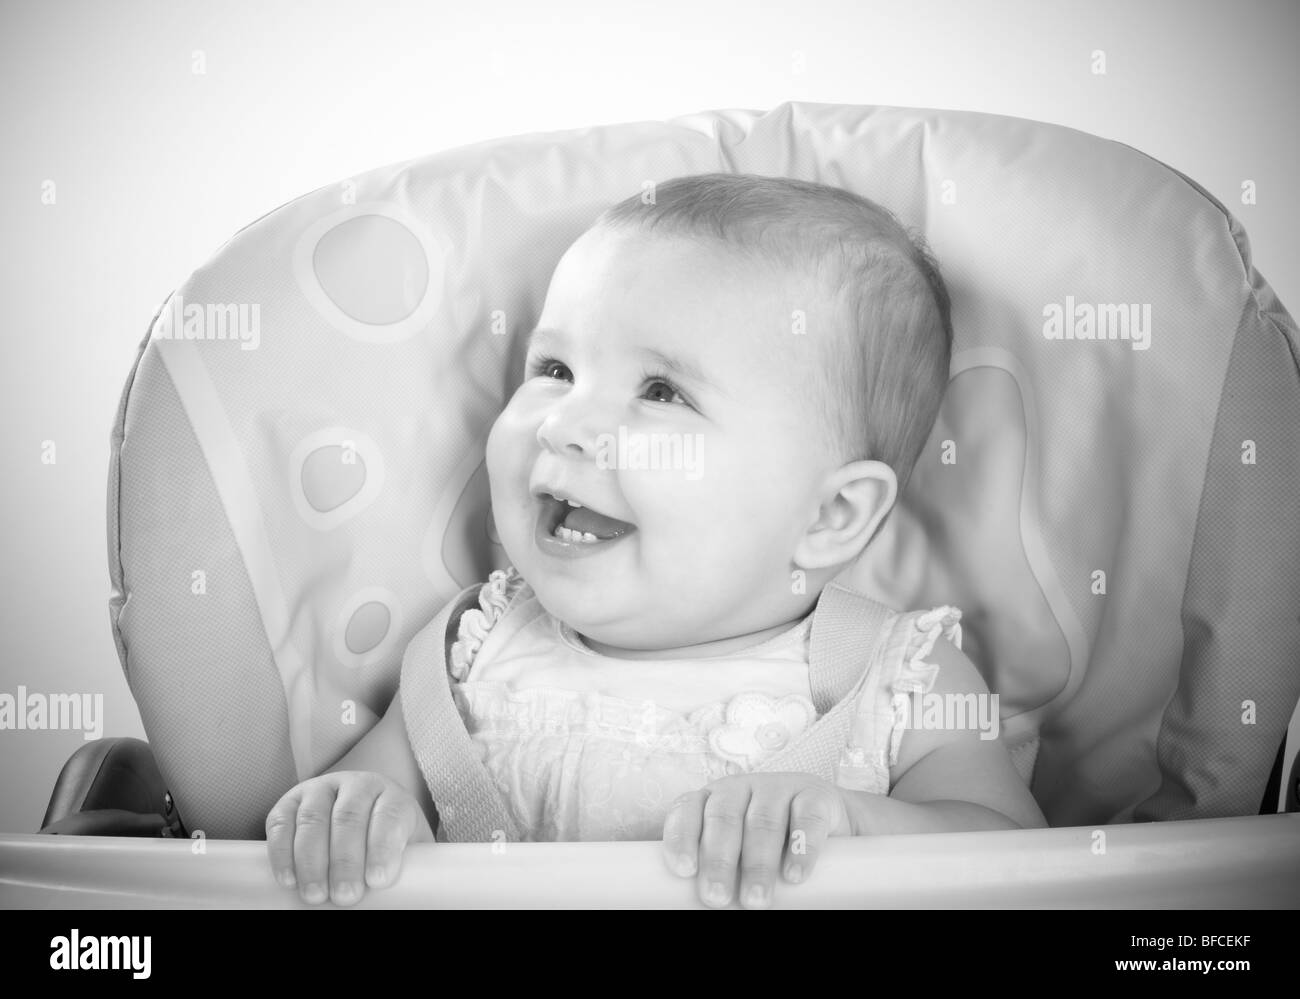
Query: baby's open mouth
[(572, 523)]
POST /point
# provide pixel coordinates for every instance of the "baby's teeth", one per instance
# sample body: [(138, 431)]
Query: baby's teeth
[(568, 534)]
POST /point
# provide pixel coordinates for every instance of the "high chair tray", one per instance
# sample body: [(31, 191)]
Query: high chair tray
[(1233, 863)]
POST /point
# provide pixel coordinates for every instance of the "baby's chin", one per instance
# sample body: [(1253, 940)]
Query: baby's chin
[(601, 613), (586, 605)]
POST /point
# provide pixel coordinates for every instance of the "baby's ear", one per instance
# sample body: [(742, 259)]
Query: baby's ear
[(857, 498)]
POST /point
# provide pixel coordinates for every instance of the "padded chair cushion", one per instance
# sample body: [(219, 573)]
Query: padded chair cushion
[(298, 482)]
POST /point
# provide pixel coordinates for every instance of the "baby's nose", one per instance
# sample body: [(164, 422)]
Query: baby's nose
[(568, 429)]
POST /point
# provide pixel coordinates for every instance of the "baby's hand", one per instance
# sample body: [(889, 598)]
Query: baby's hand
[(764, 823), (345, 830)]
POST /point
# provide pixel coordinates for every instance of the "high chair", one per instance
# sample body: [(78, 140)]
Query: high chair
[(1109, 495)]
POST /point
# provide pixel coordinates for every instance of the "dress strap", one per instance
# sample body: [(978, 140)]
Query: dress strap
[(470, 808)]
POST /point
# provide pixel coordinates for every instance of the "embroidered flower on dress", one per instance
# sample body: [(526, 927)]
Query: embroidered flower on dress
[(756, 726)]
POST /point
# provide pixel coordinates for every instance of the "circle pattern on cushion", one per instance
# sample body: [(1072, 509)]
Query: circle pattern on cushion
[(370, 270), (329, 480), (367, 626), (334, 474)]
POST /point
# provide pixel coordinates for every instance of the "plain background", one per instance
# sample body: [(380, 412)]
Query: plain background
[(155, 167)]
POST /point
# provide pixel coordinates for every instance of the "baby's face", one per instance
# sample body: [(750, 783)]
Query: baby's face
[(667, 393)]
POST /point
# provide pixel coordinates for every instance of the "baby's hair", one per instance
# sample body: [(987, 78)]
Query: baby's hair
[(885, 377)]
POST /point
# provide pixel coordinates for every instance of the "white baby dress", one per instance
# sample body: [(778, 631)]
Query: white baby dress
[(583, 746)]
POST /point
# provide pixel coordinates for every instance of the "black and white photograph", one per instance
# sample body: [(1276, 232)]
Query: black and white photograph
[(597, 456)]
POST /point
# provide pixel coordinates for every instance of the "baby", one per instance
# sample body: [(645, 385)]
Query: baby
[(728, 385)]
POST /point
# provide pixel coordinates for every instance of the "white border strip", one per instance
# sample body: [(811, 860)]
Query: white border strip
[(1031, 533), (243, 510)]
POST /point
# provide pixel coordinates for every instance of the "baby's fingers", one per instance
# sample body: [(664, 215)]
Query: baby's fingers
[(721, 840), (311, 838), (349, 834), (682, 829), (766, 821), (280, 825), (814, 815), (393, 820)]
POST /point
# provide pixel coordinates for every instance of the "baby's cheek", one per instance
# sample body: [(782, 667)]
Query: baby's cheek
[(509, 463), (689, 516), (752, 506), (495, 457), (512, 437)]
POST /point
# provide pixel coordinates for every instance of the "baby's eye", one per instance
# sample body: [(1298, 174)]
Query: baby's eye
[(547, 367), (661, 390)]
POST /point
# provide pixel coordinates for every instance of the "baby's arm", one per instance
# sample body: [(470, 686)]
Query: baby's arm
[(757, 827), (386, 750), (948, 780), (334, 834)]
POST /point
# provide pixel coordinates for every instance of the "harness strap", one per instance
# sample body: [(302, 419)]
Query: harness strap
[(470, 808), (846, 634), (849, 633)]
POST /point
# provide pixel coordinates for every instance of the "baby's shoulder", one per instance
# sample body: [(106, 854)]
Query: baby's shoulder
[(926, 627), (920, 657), (917, 645)]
